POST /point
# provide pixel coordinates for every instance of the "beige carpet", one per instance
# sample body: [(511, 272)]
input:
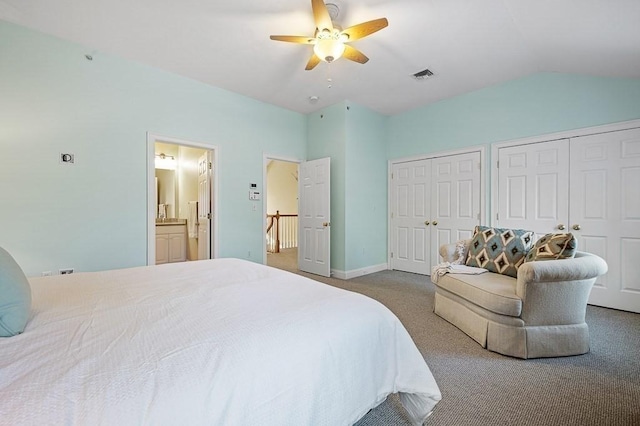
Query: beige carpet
[(484, 388)]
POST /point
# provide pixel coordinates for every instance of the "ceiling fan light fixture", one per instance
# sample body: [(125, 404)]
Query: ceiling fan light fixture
[(329, 39), (328, 49)]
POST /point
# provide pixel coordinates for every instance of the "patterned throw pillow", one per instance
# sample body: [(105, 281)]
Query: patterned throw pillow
[(499, 250), (553, 247)]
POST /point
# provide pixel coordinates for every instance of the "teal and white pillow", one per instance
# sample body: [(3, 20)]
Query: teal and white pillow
[(499, 250), (553, 247), (15, 296)]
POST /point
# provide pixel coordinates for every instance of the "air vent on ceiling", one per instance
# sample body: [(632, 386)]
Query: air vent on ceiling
[(423, 75)]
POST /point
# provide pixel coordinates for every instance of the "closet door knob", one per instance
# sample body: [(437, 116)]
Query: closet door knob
[(576, 227), (435, 222), (426, 222), (561, 227)]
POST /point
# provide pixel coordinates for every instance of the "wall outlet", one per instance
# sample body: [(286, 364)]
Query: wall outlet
[(66, 271), (46, 274)]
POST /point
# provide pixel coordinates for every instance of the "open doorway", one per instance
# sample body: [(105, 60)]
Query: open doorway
[(281, 226), (182, 223)]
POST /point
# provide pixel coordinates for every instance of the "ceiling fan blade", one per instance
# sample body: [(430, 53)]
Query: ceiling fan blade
[(294, 39), (364, 29), (313, 61), (321, 15), (354, 54)]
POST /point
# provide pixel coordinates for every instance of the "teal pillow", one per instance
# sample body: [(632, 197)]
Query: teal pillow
[(499, 250), (15, 296)]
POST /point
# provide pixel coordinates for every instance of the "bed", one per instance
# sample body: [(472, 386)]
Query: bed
[(216, 342)]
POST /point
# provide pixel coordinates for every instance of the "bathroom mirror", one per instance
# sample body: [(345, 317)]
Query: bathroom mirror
[(166, 188)]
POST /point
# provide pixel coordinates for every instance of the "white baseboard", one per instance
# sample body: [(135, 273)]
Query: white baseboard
[(346, 275)]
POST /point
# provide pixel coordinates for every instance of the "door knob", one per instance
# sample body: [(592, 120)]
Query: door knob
[(561, 226), (435, 222), (426, 222), (576, 227), (325, 224)]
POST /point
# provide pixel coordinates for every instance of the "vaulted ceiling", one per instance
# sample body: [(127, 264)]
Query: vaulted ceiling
[(467, 44)]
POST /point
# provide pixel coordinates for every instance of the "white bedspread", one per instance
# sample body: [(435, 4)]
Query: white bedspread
[(220, 342)]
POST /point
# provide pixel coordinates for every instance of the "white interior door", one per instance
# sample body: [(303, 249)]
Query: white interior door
[(314, 251), (455, 206), (410, 204), (533, 187), (605, 212), (205, 172)]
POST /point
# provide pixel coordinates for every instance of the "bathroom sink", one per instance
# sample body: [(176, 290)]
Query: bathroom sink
[(171, 221)]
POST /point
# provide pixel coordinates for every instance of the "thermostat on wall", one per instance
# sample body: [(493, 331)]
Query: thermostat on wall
[(254, 194)]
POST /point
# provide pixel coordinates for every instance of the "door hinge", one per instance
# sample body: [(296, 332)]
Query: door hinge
[(391, 215), (478, 216), (210, 165), (392, 175), (498, 164), (497, 216), (208, 215), (392, 255)]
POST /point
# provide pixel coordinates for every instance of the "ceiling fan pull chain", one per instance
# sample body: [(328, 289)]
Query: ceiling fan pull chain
[(329, 79)]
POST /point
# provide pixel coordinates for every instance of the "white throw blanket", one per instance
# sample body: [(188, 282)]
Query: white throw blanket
[(457, 266), (449, 268)]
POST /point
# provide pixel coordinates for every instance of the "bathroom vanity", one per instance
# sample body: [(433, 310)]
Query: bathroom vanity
[(171, 241)]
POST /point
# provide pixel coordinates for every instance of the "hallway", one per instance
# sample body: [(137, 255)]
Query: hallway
[(287, 259)]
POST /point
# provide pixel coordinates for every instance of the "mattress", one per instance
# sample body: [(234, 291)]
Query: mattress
[(215, 342)]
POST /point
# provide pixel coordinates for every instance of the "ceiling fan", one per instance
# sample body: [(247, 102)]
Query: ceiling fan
[(329, 40)]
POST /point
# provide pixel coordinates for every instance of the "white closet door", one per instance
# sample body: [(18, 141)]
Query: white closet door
[(410, 234), (605, 212), (455, 206), (434, 201), (533, 187)]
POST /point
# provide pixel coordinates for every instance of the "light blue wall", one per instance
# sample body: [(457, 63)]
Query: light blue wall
[(534, 105), (93, 215), (365, 189), (326, 138), (531, 106), (354, 138)]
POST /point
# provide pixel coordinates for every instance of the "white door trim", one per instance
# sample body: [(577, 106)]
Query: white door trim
[(567, 134), (391, 163), (151, 208), (265, 161)]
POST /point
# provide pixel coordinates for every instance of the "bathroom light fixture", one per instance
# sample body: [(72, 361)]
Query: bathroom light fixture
[(167, 162)]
